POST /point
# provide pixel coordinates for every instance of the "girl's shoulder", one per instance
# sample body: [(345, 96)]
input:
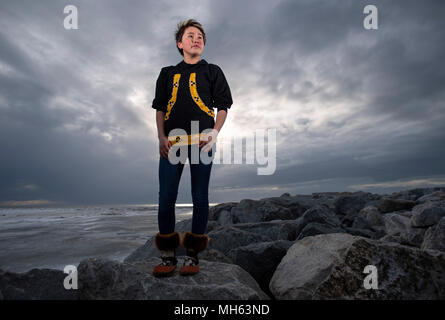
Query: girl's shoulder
[(214, 66), (166, 69)]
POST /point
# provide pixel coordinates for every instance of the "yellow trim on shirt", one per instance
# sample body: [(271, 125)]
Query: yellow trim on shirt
[(196, 98), (183, 140), (174, 95)]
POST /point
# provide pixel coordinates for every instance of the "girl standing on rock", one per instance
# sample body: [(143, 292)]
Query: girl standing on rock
[(186, 95)]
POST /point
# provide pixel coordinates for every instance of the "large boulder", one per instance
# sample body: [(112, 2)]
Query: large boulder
[(398, 229), (363, 232), (299, 203), (434, 238), (396, 223), (107, 279), (369, 218), (415, 194), (435, 196), (314, 228), (321, 214), (260, 259), (331, 266), (386, 205), (427, 213), (222, 213), (261, 210), (350, 203), (227, 238), (275, 230), (186, 225)]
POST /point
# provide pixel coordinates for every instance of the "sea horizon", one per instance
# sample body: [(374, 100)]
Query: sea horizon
[(56, 236)]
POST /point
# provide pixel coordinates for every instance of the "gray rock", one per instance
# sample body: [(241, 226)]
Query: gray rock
[(396, 223), (215, 256), (407, 214), (221, 213), (315, 228), (227, 238), (414, 194), (331, 266), (427, 214), (398, 229), (106, 279), (350, 203), (321, 214), (340, 202), (260, 259), (390, 205), (391, 238), (260, 210), (186, 225), (373, 217), (362, 232), (297, 204), (275, 230), (435, 196), (143, 252), (360, 222), (225, 218), (434, 238), (368, 220), (36, 284), (412, 237)]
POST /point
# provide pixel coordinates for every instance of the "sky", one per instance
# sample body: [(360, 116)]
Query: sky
[(353, 109)]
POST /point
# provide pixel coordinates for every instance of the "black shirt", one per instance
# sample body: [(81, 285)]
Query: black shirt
[(199, 88)]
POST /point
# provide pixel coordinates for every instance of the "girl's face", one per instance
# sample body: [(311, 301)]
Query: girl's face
[(192, 42)]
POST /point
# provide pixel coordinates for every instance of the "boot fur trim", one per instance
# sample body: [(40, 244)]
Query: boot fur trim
[(167, 242), (195, 242)]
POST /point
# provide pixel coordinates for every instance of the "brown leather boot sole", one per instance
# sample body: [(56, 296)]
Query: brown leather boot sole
[(166, 267), (189, 270), (163, 271)]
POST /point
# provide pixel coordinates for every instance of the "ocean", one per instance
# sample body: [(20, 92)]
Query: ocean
[(56, 237)]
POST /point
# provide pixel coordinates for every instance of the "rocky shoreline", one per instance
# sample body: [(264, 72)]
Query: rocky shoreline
[(289, 247)]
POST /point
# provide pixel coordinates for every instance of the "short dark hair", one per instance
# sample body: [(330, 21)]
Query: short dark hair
[(181, 29)]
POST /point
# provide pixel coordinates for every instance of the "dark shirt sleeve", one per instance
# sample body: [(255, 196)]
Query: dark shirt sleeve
[(221, 96), (161, 98)]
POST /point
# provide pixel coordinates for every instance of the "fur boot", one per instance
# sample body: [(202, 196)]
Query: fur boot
[(194, 244), (167, 243)]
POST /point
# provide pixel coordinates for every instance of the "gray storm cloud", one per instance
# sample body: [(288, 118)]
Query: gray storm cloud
[(354, 109)]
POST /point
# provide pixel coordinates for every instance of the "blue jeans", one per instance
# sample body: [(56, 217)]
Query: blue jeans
[(169, 178)]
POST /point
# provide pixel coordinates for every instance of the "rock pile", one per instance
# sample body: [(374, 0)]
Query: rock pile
[(289, 247)]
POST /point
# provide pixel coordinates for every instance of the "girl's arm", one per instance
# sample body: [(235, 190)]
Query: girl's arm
[(160, 115), (220, 119), (164, 144), (211, 136)]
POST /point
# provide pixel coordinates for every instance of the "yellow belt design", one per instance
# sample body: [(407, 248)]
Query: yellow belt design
[(184, 140), (195, 96), (174, 94)]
